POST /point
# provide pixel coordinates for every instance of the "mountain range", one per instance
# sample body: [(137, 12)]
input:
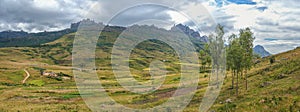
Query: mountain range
[(25, 39)]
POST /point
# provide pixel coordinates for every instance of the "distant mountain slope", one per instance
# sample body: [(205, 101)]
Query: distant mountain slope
[(260, 50), (31, 39), (25, 39), (58, 51), (13, 34)]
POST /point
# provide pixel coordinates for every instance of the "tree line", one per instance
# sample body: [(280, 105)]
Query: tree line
[(239, 54)]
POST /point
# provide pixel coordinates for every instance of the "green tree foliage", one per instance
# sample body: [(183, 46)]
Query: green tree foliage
[(246, 41), (205, 57), (240, 55), (217, 49), (234, 58)]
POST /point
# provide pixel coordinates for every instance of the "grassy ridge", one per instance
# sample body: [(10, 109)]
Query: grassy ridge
[(273, 87)]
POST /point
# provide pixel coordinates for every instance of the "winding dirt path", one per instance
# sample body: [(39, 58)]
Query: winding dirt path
[(28, 75)]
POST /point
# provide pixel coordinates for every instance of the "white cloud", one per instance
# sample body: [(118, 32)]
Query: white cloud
[(279, 20), (46, 4), (177, 17)]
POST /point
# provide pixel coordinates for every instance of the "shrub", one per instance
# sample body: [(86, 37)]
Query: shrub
[(272, 60)]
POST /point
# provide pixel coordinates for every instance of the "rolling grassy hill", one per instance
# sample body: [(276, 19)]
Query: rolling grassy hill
[(272, 87), (46, 93)]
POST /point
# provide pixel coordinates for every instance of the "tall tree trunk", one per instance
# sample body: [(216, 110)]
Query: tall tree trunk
[(237, 84), (217, 74), (225, 75), (242, 74), (246, 80), (232, 83)]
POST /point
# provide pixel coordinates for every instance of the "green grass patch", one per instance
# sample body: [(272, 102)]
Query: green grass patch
[(36, 83), (16, 76), (71, 95)]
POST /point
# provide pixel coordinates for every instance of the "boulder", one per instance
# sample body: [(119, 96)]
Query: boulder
[(281, 76), (265, 84), (228, 100)]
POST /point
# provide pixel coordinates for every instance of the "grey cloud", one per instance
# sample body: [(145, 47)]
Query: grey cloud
[(266, 22), (108, 8), (265, 29), (190, 24), (283, 47), (290, 28), (37, 18), (25, 12), (140, 13), (226, 20), (228, 25)]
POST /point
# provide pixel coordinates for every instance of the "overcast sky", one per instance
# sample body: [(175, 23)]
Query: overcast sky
[(276, 23)]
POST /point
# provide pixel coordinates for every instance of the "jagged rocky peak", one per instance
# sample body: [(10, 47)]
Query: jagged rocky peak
[(190, 32), (74, 26), (186, 29)]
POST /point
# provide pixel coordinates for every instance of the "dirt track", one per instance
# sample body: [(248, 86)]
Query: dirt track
[(28, 75)]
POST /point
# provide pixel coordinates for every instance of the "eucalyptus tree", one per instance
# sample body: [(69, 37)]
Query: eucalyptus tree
[(217, 49), (234, 60), (205, 57), (246, 42), (240, 55)]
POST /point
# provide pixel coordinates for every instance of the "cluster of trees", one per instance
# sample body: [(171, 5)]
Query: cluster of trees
[(205, 58), (213, 52), (239, 54)]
